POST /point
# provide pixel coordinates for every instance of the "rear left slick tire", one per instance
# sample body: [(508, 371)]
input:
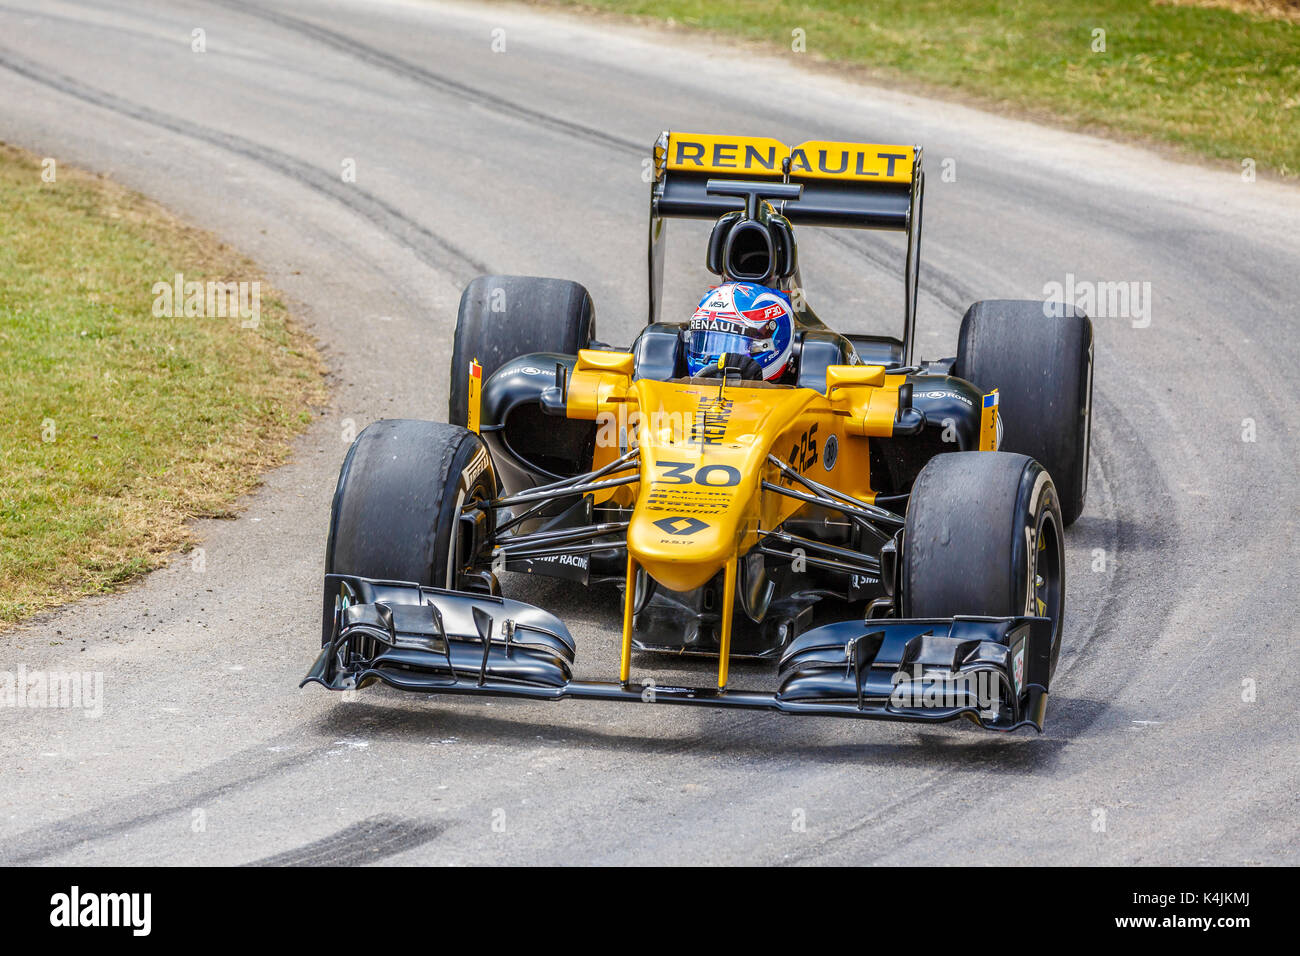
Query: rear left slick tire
[(503, 317)]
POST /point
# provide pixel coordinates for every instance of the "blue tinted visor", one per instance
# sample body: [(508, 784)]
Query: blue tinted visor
[(713, 344)]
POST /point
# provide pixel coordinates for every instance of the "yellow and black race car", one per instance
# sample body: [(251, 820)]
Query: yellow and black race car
[(890, 531)]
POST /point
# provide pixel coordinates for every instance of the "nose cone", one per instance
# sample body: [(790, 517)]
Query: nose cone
[(703, 449), (698, 482), (681, 550)]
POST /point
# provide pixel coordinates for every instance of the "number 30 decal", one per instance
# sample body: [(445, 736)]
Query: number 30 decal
[(679, 473)]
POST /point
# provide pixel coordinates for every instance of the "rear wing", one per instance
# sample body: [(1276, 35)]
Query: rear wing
[(859, 185), (844, 184)]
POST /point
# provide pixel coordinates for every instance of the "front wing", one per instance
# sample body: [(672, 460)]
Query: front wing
[(993, 671)]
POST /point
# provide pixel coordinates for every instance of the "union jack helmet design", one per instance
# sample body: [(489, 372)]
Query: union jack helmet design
[(745, 318)]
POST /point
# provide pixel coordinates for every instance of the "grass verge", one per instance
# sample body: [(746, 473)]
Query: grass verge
[(1222, 81), (118, 426)]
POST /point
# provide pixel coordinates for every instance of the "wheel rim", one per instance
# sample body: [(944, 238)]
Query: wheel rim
[(452, 578), (1046, 582)]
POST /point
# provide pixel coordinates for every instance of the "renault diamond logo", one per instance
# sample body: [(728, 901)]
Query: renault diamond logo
[(680, 526)]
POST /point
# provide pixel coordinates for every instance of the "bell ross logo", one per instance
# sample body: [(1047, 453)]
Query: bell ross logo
[(74, 909)]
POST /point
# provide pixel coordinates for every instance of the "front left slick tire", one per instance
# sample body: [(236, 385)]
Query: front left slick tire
[(399, 497), (983, 536)]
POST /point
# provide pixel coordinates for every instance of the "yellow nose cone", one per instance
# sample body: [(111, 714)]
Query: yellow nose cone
[(699, 465), (679, 550)]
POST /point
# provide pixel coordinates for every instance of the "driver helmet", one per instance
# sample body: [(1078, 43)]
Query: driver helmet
[(744, 318)]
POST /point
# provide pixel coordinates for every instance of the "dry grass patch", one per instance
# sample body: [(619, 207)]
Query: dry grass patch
[(118, 426)]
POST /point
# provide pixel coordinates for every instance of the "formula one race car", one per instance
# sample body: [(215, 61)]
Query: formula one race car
[(889, 530)]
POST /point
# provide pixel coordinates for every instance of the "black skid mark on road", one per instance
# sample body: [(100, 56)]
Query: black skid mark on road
[(203, 788), (1119, 451), (1138, 503), (1140, 533), (935, 283), (429, 247), (942, 795), (410, 71), (368, 841)]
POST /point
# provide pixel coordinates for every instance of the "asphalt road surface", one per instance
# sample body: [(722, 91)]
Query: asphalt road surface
[(1172, 728)]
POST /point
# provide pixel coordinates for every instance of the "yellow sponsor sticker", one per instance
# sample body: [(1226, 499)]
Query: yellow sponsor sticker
[(475, 387), (756, 156), (990, 426), (860, 162), (707, 153)]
